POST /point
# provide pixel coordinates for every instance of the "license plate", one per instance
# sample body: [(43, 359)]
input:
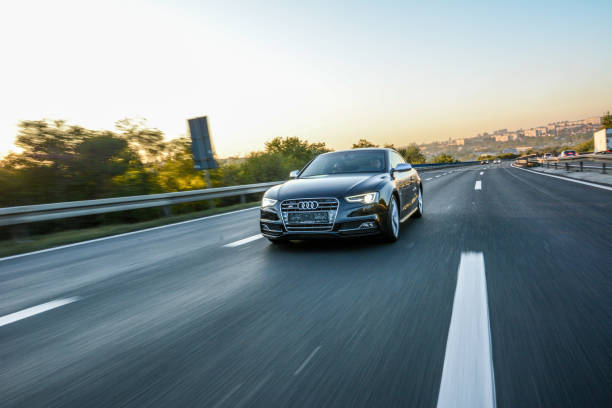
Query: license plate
[(314, 217)]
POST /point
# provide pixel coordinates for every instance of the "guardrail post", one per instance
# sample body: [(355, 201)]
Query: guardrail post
[(603, 167), (167, 209), (555, 165), (566, 166), (242, 199), (581, 165)]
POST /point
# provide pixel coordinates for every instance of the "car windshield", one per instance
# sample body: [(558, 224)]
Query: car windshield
[(364, 161)]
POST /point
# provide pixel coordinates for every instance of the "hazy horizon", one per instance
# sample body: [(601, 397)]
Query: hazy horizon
[(388, 72)]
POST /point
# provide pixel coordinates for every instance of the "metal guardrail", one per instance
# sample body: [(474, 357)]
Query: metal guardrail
[(47, 212), (567, 163), (436, 166)]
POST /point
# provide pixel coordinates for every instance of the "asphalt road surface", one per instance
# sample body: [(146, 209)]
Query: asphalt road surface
[(501, 294)]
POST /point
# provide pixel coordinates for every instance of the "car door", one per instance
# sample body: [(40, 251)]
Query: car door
[(403, 183)]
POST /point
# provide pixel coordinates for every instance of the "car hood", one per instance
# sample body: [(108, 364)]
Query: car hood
[(329, 186)]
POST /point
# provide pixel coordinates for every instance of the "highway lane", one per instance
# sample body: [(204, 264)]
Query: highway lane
[(173, 317)]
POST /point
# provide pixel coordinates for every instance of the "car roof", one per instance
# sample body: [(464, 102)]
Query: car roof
[(363, 148)]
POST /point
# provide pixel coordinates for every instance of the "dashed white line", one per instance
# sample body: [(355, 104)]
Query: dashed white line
[(467, 375), (481, 173), (478, 185), (243, 241), (427, 179), (34, 310), (437, 176), (299, 370)]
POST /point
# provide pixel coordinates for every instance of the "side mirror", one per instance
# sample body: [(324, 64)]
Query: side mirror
[(402, 167), (294, 174)]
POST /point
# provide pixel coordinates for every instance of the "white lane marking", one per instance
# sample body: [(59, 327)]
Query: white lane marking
[(444, 174), (243, 241), (478, 185), (299, 370), (34, 310), (437, 176), (427, 179), (125, 234), (481, 173), (566, 179), (467, 376)]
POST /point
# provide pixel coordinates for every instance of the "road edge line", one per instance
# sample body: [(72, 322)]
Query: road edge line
[(40, 251), (565, 178)]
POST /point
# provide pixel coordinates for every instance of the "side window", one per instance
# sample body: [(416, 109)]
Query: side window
[(395, 159)]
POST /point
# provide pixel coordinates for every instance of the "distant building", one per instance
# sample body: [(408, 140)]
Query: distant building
[(536, 132)]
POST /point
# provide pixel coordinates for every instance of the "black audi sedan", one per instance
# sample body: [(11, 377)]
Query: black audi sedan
[(348, 193)]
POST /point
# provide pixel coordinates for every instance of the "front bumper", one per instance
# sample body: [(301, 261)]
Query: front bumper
[(352, 220)]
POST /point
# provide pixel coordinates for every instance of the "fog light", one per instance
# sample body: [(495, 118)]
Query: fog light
[(366, 225)]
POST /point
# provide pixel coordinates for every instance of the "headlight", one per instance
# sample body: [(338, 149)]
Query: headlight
[(366, 198), (267, 202)]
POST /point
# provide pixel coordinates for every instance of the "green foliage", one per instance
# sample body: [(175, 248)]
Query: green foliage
[(587, 146), (412, 154), (444, 158), (499, 156), (66, 163), (606, 121), (363, 143)]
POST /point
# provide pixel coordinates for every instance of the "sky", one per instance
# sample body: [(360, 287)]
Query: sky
[(334, 72)]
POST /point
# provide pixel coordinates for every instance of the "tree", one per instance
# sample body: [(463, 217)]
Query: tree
[(412, 154), (444, 158), (587, 146), (363, 143), (606, 121), (147, 143)]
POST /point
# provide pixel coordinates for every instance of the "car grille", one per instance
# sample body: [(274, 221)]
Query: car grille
[(322, 204)]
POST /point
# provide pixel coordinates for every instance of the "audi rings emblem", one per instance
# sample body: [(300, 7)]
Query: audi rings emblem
[(308, 205)]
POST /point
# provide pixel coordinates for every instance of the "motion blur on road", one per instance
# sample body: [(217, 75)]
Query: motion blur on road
[(304, 204), (206, 313)]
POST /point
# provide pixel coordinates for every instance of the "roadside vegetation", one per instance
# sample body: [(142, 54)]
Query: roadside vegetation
[(58, 162)]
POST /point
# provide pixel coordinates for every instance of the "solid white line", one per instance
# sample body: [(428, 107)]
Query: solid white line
[(478, 185), (481, 173), (427, 179), (299, 370), (124, 234), (566, 179), (467, 375), (243, 241), (34, 310)]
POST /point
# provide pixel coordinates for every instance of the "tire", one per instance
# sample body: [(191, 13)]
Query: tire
[(419, 212), (392, 223)]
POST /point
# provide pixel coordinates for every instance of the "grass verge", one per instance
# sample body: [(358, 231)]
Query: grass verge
[(38, 242)]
